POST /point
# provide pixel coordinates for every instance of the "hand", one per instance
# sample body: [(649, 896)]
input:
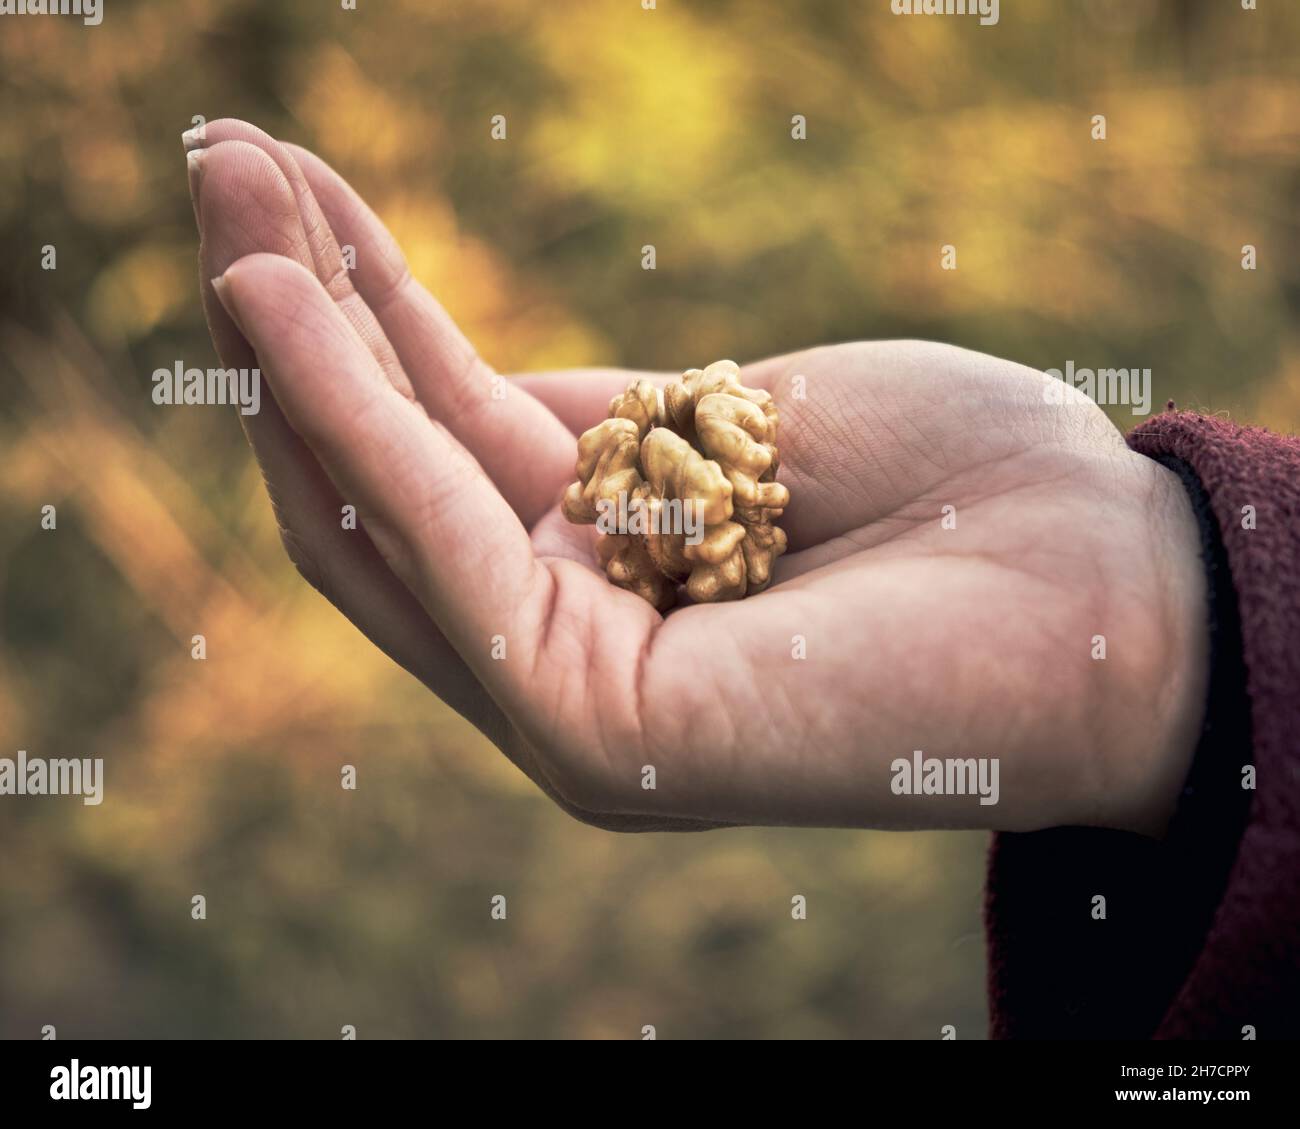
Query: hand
[(973, 641)]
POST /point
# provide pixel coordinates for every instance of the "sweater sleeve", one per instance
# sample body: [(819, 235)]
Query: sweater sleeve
[(1201, 935)]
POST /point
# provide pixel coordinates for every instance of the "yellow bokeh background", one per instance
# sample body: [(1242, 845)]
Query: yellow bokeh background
[(625, 128)]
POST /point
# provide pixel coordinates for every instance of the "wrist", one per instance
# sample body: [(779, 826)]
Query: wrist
[(1180, 653)]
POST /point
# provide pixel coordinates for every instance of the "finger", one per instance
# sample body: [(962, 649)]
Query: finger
[(524, 449), (246, 206), (436, 518), (317, 247), (579, 398)]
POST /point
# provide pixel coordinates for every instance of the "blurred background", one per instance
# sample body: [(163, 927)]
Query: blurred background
[(626, 127)]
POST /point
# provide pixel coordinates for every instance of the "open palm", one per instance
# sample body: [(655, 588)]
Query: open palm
[(957, 542)]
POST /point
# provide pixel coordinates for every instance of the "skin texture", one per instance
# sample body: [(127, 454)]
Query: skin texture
[(966, 642)]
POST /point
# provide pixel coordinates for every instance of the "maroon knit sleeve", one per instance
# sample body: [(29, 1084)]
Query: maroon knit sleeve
[(1202, 935)]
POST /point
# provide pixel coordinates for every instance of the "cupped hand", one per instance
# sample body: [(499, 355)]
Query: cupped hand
[(959, 542)]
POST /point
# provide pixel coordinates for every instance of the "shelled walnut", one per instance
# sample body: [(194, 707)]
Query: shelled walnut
[(683, 488)]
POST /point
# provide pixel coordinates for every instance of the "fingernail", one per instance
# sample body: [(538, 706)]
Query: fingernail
[(221, 288), (194, 167), (192, 139)]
